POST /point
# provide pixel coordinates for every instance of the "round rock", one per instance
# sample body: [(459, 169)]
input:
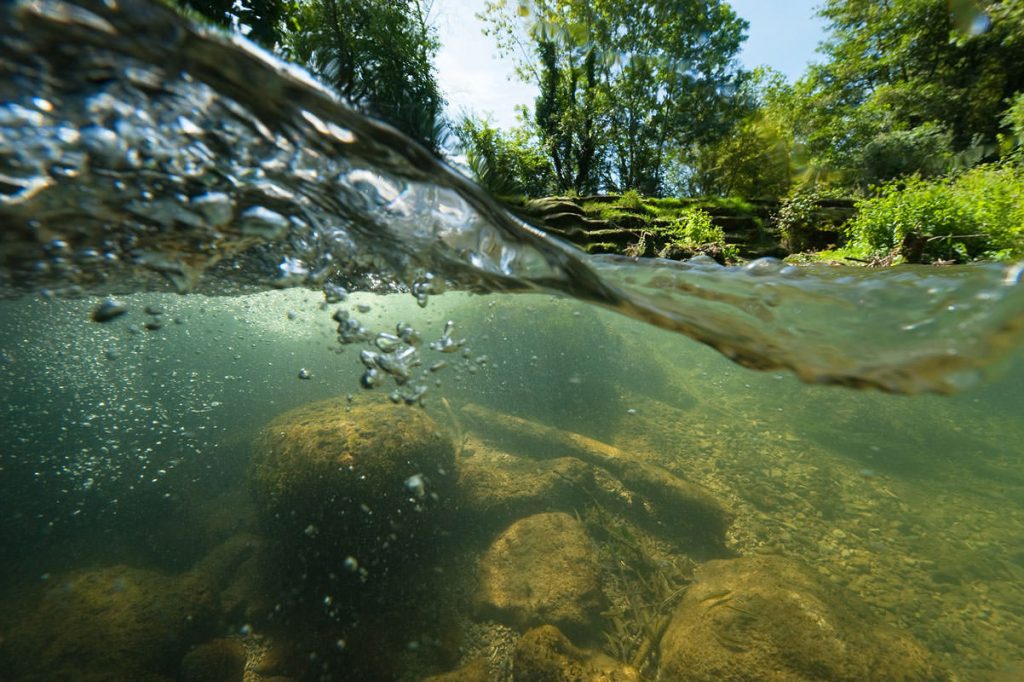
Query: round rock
[(354, 484), (767, 618), (542, 570)]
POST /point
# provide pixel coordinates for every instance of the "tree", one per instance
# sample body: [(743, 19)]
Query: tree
[(505, 163), (623, 82), (758, 156), (261, 20), (378, 54), (898, 66), (672, 81), (566, 114)]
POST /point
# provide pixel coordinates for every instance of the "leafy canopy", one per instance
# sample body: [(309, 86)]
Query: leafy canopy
[(623, 83), (378, 54)]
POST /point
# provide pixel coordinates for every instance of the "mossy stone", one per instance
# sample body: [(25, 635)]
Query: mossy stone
[(219, 660), (368, 481)]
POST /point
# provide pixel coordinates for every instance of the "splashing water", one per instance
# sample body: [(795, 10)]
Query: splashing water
[(138, 152)]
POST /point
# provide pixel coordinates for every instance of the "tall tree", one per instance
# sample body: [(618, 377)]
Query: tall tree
[(378, 54), (565, 114), (672, 81), (623, 82)]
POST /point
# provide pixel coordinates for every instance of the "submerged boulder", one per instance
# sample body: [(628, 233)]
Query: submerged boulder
[(496, 488), (542, 570), (112, 623), (354, 486), (766, 619), (219, 660), (544, 654)]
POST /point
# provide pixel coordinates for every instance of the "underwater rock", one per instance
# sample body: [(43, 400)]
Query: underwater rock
[(474, 671), (353, 486), (680, 510), (112, 623), (541, 570), (250, 594), (496, 488), (220, 565), (545, 655), (767, 619), (219, 660)]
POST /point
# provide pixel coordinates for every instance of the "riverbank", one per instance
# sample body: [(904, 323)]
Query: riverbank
[(630, 225)]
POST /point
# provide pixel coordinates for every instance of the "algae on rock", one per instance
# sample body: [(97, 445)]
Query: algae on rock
[(542, 569), (766, 618), (365, 481)]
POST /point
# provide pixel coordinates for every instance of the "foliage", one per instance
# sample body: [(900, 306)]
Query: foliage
[(925, 150), (631, 199), (378, 55), (977, 214), (694, 227), (757, 157), (622, 82), (565, 114), (505, 163), (693, 230), (1012, 143), (263, 21), (894, 67), (799, 214)]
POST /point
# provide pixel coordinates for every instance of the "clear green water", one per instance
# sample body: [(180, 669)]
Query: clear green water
[(134, 449)]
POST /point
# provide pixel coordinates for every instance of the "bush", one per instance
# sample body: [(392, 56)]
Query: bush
[(694, 231), (631, 199), (976, 215), (800, 215), (695, 228)]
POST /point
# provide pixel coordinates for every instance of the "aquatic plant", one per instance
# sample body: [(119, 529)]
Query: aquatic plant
[(643, 581)]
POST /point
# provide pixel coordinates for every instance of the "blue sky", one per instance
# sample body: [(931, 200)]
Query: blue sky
[(782, 34)]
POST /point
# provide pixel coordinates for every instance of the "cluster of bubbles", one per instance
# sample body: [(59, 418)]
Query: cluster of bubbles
[(398, 356)]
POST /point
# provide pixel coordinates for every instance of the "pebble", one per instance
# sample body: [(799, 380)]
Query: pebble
[(108, 310)]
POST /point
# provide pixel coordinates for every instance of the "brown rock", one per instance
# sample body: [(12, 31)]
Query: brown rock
[(370, 481), (542, 569), (681, 510), (474, 671), (109, 623), (545, 655), (219, 660), (496, 488), (765, 619)]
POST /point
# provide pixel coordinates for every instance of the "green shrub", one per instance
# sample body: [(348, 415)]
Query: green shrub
[(631, 199), (800, 214), (975, 215), (694, 230)]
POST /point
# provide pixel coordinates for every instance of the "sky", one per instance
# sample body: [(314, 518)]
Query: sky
[(783, 34)]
